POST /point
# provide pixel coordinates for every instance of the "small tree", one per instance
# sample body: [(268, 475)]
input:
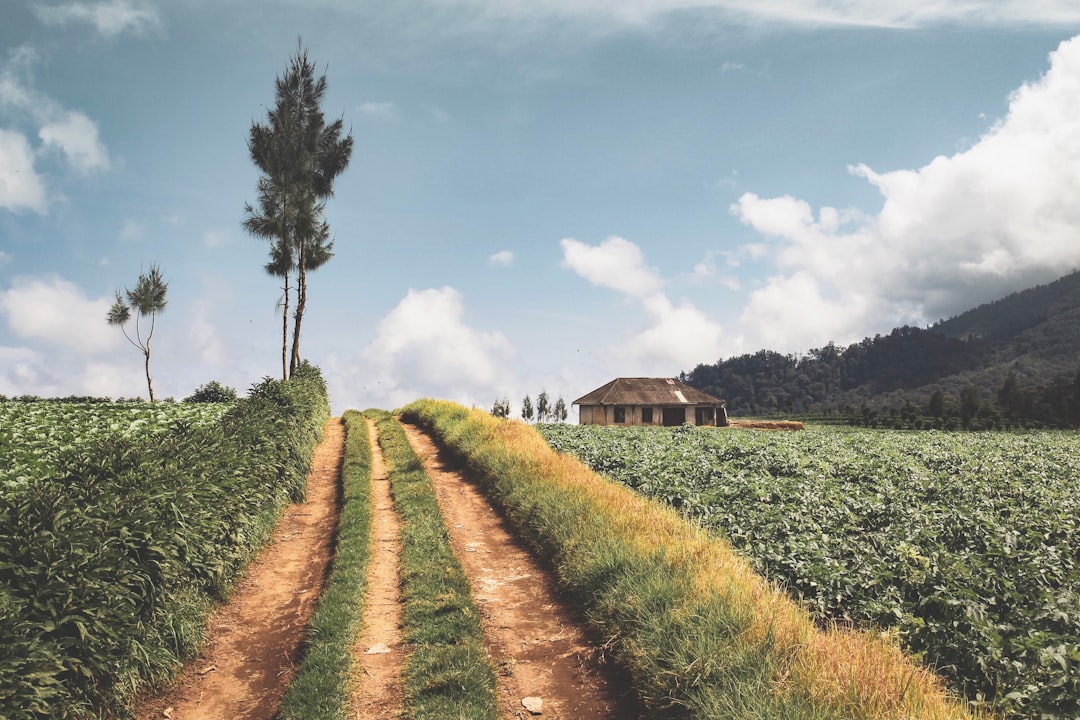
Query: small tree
[(147, 299), (560, 410), (527, 409), (501, 408), (543, 407), (212, 392)]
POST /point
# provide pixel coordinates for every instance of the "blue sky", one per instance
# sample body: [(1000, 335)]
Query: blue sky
[(543, 194)]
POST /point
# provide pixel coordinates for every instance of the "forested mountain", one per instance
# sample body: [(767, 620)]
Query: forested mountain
[(1015, 360)]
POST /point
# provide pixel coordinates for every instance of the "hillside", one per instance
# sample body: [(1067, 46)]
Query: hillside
[(1015, 359)]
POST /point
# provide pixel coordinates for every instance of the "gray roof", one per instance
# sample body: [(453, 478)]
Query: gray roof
[(647, 391)]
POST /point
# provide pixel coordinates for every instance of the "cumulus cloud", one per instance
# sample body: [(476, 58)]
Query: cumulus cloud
[(57, 311), (109, 18), (503, 258), (76, 136), (423, 347), (616, 263), (677, 335), (20, 186), (70, 134), (961, 230)]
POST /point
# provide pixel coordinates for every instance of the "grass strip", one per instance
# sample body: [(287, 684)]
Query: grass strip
[(702, 635), (320, 690), (448, 674)]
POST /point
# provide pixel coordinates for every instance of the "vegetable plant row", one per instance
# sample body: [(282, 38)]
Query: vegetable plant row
[(36, 436), (109, 565), (965, 545)]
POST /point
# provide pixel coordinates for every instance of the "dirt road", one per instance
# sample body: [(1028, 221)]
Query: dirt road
[(254, 640)]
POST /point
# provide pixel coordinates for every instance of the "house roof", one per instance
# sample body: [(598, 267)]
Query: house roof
[(647, 391)]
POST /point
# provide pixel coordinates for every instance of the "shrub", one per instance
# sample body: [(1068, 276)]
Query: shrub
[(212, 392)]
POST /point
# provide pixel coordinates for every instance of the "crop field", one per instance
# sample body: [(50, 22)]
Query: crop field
[(36, 435), (966, 547)]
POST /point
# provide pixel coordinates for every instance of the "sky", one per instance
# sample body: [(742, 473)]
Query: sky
[(543, 194)]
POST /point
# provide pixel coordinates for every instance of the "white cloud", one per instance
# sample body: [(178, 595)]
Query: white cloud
[(56, 311), (378, 109), (423, 347), (961, 230), (680, 336), (502, 258), (20, 186), (110, 18), (5, 258), (677, 336), (70, 133), (77, 137), (615, 263)]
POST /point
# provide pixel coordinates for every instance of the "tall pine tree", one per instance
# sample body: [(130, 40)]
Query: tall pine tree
[(299, 156)]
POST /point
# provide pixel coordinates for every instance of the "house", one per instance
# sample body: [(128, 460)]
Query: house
[(649, 401)]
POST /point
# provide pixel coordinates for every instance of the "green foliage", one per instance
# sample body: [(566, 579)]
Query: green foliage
[(320, 689), (967, 544), (212, 392), (448, 674), (108, 565), (37, 435)]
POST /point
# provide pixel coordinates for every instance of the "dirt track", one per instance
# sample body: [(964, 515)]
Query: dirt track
[(253, 640), (536, 642)]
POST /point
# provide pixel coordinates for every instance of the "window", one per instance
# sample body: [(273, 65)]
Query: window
[(620, 414), (646, 416)]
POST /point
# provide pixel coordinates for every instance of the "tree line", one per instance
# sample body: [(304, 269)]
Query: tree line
[(544, 411)]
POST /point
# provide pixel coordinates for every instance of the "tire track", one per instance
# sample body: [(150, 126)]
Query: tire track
[(537, 645)]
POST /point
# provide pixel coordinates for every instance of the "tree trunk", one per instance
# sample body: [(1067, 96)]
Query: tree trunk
[(285, 332), (149, 380), (301, 304)]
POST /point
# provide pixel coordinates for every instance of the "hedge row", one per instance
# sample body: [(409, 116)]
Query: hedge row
[(108, 569)]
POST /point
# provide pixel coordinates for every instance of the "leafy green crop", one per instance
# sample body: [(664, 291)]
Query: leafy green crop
[(35, 436), (967, 545)]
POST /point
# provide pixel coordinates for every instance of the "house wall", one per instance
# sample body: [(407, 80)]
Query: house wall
[(605, 414)]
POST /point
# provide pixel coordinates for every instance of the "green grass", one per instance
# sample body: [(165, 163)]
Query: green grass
[(320, 690), (447, 674)]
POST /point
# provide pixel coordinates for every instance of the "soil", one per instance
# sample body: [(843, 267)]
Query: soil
[(380, 652), (253, 641), (537, 643)]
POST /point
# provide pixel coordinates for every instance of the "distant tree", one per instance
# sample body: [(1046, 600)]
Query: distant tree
[(212, 392), (969, 404), (299, 156), (1010, 397), (527, 409), (560, 410), (936, 406), (543, 407), (501, 408), (147, 300)]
